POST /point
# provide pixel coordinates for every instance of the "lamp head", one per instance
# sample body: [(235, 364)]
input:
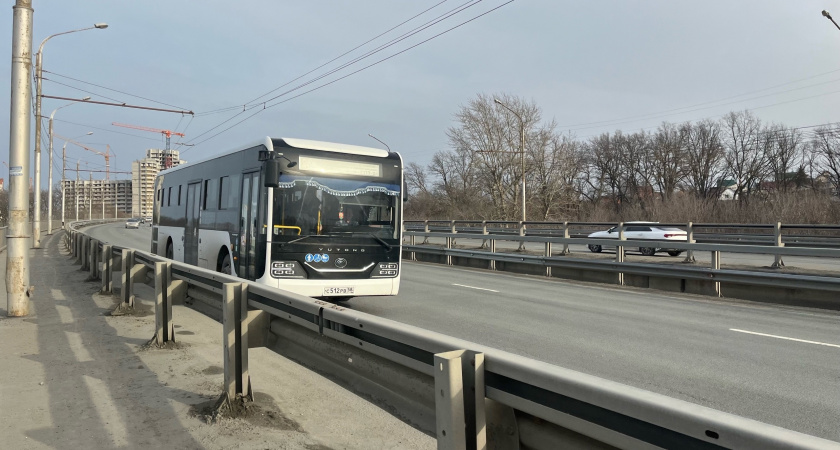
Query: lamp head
[(101, 25), (86, 99)]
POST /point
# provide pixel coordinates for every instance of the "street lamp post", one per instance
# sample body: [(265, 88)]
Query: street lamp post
[(521, 149), (50, 182), (63, 177), (36, 222)]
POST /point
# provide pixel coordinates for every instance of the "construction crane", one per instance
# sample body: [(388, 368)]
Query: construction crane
[(106, 155), (167, 133)]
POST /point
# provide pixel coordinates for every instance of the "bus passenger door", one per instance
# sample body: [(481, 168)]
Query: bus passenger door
[(246, 267), (191, 227)]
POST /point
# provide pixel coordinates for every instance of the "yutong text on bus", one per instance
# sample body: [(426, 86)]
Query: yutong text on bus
[(315, 218)]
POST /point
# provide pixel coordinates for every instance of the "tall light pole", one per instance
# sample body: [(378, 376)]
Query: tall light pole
[(521, 148), (50, 182), (36, 221), (63, 178), (17, 236)]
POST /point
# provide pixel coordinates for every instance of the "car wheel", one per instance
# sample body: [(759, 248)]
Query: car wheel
[(674, 252), (225, 266), (647, 251), (594, 248)]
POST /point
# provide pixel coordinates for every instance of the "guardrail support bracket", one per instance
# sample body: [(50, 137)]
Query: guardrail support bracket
[(164, 327)]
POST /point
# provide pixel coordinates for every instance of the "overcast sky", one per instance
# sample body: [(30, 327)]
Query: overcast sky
[(594, 66)]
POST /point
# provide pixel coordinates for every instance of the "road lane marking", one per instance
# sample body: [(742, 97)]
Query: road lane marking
[(783, 337), (473, 287)]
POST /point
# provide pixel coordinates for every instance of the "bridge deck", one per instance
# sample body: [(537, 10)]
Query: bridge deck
[(76, 377)]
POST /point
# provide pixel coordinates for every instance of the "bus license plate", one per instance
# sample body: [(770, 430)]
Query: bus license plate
[(339, 290)]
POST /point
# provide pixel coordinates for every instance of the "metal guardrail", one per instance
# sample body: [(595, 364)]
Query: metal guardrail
[(824, 235), (464, 373)]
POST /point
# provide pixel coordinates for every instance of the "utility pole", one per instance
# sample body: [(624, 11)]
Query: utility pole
[(17, 235), (76, 190), (90, 196), (63, 182)]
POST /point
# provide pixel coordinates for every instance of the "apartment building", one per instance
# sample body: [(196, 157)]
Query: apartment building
[(93, 198), (143, 173)]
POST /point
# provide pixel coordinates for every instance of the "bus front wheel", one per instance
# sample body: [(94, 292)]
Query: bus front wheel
[(224, 266)]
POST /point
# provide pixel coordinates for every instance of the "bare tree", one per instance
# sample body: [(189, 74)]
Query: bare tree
[(668, 158), (704, 157), (826, 144), (744, 155), (783, 154)]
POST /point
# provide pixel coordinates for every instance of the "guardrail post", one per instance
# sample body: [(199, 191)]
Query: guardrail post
[(454, 231), (87, 252), (521, 233), (412, 255), (716, 266), (777, 241), (93, 253), (127, 292), (107, 269), (234, 315), (450, 418), (548, 255), (164, 328), (566, 250), (619, 251), (484, 232), (689, 255), (426, 230), (492, 250), (449, 241)]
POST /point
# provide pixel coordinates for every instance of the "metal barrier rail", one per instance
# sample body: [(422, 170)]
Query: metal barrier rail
[(464, 373), (563, 229)]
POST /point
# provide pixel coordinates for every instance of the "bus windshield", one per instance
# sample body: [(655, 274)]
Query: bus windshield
[(312, 206)]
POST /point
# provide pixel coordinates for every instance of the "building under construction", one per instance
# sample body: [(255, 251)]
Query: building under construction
[(143, 173)]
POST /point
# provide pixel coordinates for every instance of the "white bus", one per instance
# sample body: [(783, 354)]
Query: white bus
[(316, 218)]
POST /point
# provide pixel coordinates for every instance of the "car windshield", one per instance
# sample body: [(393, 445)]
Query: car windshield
[(309, 206)]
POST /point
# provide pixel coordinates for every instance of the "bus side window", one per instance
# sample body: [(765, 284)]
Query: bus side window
[(179, 195), (224, 192)]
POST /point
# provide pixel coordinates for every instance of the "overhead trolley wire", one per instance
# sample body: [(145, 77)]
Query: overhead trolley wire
[(246, 107), (113, 90), (266, 106)]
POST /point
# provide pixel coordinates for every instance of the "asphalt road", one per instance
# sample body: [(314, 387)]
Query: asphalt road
[(776, 364)]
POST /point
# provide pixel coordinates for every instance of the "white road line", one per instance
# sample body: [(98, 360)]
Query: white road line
[(473, 287), (783, 337)]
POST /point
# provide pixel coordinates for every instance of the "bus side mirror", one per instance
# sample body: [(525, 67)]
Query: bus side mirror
[(271, 173)]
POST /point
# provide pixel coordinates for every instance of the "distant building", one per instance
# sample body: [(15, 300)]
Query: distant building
[(95, 196), (143, 173)]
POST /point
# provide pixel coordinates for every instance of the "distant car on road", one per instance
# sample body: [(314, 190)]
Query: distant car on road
[(642, 230), (133, 223), (148, 219)]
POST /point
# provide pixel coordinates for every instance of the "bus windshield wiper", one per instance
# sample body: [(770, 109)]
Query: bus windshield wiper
[(294, 240), (380, 240)]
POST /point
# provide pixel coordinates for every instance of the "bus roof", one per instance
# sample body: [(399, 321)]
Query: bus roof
[(296, 143), (333, 147)]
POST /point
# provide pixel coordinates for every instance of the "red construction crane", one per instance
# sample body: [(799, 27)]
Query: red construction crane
[(107, 154), (167, 133)]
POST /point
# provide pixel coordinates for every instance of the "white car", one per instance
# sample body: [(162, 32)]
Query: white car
[(649, 231), (132, 223)]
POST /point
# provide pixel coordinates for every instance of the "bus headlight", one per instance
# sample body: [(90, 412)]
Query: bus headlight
[(287, 269), (386, 270)]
